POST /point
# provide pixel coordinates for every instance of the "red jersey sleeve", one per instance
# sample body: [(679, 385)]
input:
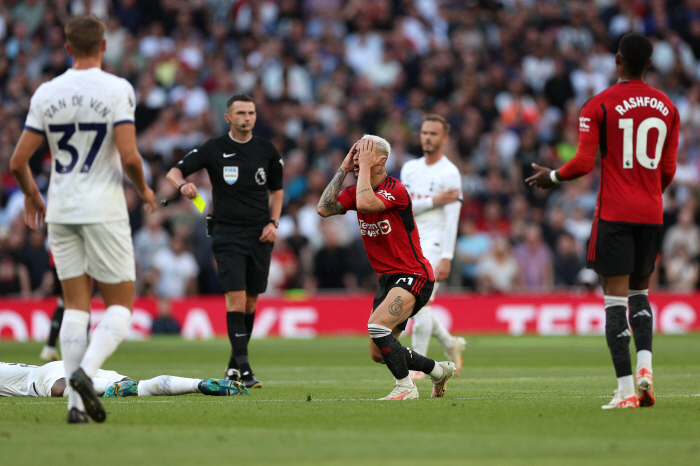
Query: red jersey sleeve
[(393, 194), (590, 121), (346, 197), (668, 158)]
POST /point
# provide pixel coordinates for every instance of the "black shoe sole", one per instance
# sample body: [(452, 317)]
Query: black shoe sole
[(82, 384), (77, 417), (252, 384)]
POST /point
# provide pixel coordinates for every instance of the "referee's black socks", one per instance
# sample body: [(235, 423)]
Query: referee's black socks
[(238, 336)]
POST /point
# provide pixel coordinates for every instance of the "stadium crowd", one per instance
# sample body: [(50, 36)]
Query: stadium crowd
[(509, 75)]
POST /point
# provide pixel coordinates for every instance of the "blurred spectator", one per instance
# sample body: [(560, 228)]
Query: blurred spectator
[(148, 241), (471, 248), (535, 261), (567, 262), (498, 271), (682, 270), (175, 270), (685, 234)]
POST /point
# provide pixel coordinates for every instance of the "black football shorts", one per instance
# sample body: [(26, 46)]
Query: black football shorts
[(418, 286), (619, 248), (243, 262)]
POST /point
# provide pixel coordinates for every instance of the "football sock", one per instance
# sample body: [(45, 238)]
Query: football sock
[(405, 382), (437, 372), (101, 385), (230, 326), (73, 339), (418, 362), (618, 334), (422, 329), (106, 338), (626, 384), (239, 341), (164, 385), (644, 359), (391, 350), (641, 319), (441, 333), (56, 323), (249, 321)]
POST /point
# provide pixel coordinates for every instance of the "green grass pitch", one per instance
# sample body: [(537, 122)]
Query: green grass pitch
[(520, 400)]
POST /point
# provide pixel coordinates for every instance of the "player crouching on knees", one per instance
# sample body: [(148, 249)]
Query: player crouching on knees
[(391, 240)]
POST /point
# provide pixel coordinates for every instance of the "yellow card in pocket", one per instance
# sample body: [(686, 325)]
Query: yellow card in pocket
[(199, 203)]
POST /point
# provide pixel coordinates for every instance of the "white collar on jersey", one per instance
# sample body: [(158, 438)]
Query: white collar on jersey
[(240, 142)]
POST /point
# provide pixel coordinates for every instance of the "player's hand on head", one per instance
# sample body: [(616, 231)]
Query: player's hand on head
[(348, 164), (541, 179), (368, 153), (34, 211), (149, 198), (446, 197)]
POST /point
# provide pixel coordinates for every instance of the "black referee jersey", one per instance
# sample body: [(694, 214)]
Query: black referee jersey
[(241, 175)]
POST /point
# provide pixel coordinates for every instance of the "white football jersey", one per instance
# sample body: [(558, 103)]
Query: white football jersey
[(17, 379), (77, 112), (437, 225)]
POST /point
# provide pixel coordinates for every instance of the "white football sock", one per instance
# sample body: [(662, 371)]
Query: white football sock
[(106, 338), (437, 371), (644, 359), (168, 385), (101, 385), (442, 334), (405, 382), (73, 338), (626, 384), (422, 329)]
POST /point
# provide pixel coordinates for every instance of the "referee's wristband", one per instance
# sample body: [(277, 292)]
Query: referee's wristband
[(553, 177), (276, 223), (179, 188)]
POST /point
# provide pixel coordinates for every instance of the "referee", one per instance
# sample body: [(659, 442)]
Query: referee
[(246, 178)]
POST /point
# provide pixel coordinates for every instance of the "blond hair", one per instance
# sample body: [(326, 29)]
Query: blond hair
[(383, 145), (84, 34)]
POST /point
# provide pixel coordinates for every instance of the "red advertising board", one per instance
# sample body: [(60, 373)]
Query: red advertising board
[(343, 314)]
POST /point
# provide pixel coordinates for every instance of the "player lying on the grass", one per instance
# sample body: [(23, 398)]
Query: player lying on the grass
[(636, 128), (393, 247), (49, 380)]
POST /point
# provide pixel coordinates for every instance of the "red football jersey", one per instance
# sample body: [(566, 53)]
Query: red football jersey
[(390, 237), (636, 127)]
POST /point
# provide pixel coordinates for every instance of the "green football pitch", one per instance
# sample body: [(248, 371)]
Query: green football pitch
[(519, 400)]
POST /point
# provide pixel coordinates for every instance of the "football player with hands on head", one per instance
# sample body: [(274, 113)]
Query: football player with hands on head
[(435, 187), (87, 116), (246, 178), (636, 128), (391, 240)]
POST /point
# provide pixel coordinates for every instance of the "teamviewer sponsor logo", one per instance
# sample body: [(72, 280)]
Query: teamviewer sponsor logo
[(374, 229), (386, 195)]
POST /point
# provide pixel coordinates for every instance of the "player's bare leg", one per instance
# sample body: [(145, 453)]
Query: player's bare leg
[(641, 320), (618, 335), (395, 309), (240, 307)]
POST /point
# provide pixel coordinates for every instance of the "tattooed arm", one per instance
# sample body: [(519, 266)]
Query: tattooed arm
[(328, 204)]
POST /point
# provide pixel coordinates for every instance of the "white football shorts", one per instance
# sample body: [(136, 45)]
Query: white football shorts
[(104, 251)]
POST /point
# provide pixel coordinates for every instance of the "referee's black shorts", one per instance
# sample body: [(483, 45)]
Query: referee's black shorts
[(418, 286), (619, 248), (243, 261)]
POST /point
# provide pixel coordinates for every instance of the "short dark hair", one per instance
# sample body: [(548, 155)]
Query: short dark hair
[(439, 119), (238, 98), (84, 34), (635, 50)]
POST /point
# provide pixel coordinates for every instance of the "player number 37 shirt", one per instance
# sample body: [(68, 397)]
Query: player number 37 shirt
[(390, 236)]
